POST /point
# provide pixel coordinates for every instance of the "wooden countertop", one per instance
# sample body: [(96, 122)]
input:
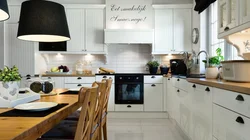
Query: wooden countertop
[(67, 75), (232, 86), (30, 128)]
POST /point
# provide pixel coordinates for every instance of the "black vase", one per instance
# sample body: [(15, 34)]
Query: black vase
[(164, 70), (153, 70)]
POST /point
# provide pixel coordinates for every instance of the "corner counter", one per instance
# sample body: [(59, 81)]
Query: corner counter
[(222, 84)]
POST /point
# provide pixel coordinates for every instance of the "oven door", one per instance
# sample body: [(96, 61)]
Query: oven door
[(129, 93)]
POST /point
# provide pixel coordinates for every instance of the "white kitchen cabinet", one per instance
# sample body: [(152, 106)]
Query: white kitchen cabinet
[(111, 103), (185, 109), (228, 125), (172, 29), (77, 86), (94, 30), (182, 30), (86, 26), (76, 23), (201, 124), (163, 30), (176, 105), (153, 97), (20, 53), (244, 11), (59, 81), (169, 96), (228, 16), (78, 82)]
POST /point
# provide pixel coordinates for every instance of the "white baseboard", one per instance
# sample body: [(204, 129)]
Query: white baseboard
[(136, 115)]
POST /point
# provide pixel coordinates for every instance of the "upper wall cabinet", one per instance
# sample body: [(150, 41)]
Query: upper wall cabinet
[(173, 25), (228, 15), (244, 11), (86, 26)]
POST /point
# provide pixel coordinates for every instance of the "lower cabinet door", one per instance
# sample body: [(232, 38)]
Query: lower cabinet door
[(111, 104), (202, 113), (176, 106), (228, 125), (153, 97), (76, 86)]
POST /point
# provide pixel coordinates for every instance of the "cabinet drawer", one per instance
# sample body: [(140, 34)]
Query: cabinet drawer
[(128, 107), (153, 79), (237, 102), (76, 86), (79, 80), (181, 83), (228, 125), (99, 78)]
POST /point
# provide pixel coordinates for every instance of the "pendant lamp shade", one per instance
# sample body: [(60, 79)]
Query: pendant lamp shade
[(43, 21), (4, 11)]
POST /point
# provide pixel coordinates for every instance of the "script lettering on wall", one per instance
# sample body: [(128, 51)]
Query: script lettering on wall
[(129, 14)]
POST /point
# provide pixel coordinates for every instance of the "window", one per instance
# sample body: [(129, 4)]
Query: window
[(229, 52)]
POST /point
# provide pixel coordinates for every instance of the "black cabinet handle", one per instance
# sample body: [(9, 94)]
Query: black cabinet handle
[(226, 29), (129, 106), (240, 98), (153, 77), (153, 85), (178, 90), (207, 89), (194, 86), (49, 77), (79, 85), (104, 77), (178, 79), (79, 78), (28, 75), (240, 120), (168, 78), (28, 78)]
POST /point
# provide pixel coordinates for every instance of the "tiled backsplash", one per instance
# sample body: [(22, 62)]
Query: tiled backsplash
[(121, 58)]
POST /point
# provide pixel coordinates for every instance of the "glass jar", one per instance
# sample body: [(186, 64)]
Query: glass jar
[(79, 67), (88, 68)]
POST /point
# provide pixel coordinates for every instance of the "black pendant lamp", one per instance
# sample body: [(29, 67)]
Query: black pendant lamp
[(4, 11), (43, 21)]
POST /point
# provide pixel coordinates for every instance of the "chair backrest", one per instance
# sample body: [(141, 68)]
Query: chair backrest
[(108, 89), (88, 100), (99, 107)]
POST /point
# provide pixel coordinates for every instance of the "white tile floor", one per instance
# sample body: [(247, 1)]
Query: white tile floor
[(142, 129)]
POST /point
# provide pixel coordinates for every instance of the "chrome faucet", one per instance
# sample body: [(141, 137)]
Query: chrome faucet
[(207, 58)]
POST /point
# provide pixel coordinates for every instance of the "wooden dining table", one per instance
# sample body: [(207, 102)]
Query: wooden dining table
[(31, 128)]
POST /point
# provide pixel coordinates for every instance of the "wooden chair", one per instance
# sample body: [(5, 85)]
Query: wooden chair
[(82, 129), (105, 108)]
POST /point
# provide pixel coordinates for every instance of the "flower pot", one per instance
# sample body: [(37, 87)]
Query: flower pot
[(9, 90), (153, 70), (164, 70), (212, 72)]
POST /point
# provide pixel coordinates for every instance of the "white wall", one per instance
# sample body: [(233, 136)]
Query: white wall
[(103, 1)]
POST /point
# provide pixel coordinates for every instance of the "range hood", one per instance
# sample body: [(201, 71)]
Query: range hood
[(129, 36)]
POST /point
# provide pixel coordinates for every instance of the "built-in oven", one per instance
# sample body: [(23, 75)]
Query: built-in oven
[(128, 89)]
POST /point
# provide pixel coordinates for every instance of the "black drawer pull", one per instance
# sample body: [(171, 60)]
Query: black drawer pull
[(153, 77), (178, 79), (168, 78), (194, 86), (104, 77), (207, 89), (28, 78), (79, 85), (153, 85), (79, 78), (226, 29), (28, 75), (49, 77), (240, 120), (129, 106), (178, 90), (240, 98)]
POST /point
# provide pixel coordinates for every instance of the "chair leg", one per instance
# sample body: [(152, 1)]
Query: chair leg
[(104, 128)]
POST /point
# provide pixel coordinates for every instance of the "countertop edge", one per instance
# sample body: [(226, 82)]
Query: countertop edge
[(226, 85)]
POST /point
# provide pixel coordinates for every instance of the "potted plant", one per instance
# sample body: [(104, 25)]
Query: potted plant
[(153, 66), (164, 69), (9, 81), (214, 63)]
